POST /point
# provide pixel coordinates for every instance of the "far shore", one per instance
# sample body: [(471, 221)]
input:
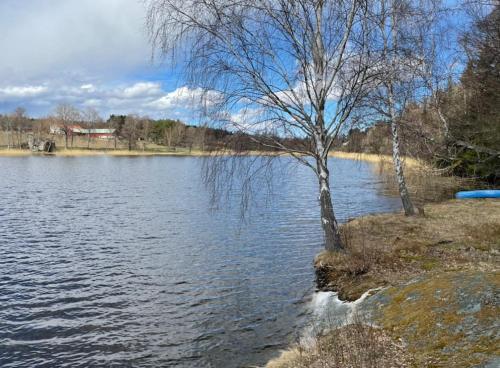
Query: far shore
[(375, 158), (77, 152), (111, 152)]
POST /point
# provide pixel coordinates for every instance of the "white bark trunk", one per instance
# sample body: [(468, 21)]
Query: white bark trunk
[(396, 154), (333, 241), (443, 120), (9, 136), (398, 166)]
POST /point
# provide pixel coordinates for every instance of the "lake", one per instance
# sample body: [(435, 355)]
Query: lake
[(122, 261)]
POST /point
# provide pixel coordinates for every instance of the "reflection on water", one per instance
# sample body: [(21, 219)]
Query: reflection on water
[(119, 262)]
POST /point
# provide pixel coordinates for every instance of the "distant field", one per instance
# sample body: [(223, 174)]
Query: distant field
[(80, 145)]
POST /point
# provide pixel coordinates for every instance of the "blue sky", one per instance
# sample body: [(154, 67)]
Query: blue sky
[(90, 53)]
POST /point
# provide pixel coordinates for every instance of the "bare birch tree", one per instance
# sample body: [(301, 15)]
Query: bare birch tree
[(131, 130), (8, 130), (395, 46), (19, 119), (275, 69), (91, 117), (66, 115)]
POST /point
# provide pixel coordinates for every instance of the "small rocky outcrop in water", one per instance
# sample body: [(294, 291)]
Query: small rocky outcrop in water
[(445, 320)]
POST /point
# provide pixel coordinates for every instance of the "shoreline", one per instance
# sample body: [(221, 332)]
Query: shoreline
[(438, 274), (111, 152), (378, 159), (77, 152)]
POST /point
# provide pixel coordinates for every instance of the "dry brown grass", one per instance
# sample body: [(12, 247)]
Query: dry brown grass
[(425, 184), (124, 152), (14, 152), (386, 249), (77, 152), (356, 345), (377, 159)]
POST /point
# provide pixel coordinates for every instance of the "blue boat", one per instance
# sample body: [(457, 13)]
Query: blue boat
[(492, 193)]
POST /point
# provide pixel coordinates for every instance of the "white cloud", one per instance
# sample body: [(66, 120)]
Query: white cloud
[(92, 102), (22, 91), (247, 117), (61, 38), (142, 89), (252, 120), (142, 97), (186, 98), (299, 95), (88, 87)]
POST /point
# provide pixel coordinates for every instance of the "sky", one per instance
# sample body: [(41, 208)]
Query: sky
[(88, 53)]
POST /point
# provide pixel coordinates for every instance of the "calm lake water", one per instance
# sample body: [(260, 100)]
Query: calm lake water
[(120, 262)]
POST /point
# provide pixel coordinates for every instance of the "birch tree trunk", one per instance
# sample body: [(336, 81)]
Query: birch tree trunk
[(396, 152), (9, 135), (333, 240), (396, 158), (443, 119)]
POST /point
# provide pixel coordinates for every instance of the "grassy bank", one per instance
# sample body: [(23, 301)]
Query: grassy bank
[(440, 273), (445, 319), (390, 248)]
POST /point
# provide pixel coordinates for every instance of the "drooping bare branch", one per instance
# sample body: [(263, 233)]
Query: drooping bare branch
[(283, 72)]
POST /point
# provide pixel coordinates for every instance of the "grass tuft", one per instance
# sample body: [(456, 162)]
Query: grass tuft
[(356, 345)]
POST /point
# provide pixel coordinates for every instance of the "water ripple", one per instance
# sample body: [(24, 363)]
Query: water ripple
[(119, 262)]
